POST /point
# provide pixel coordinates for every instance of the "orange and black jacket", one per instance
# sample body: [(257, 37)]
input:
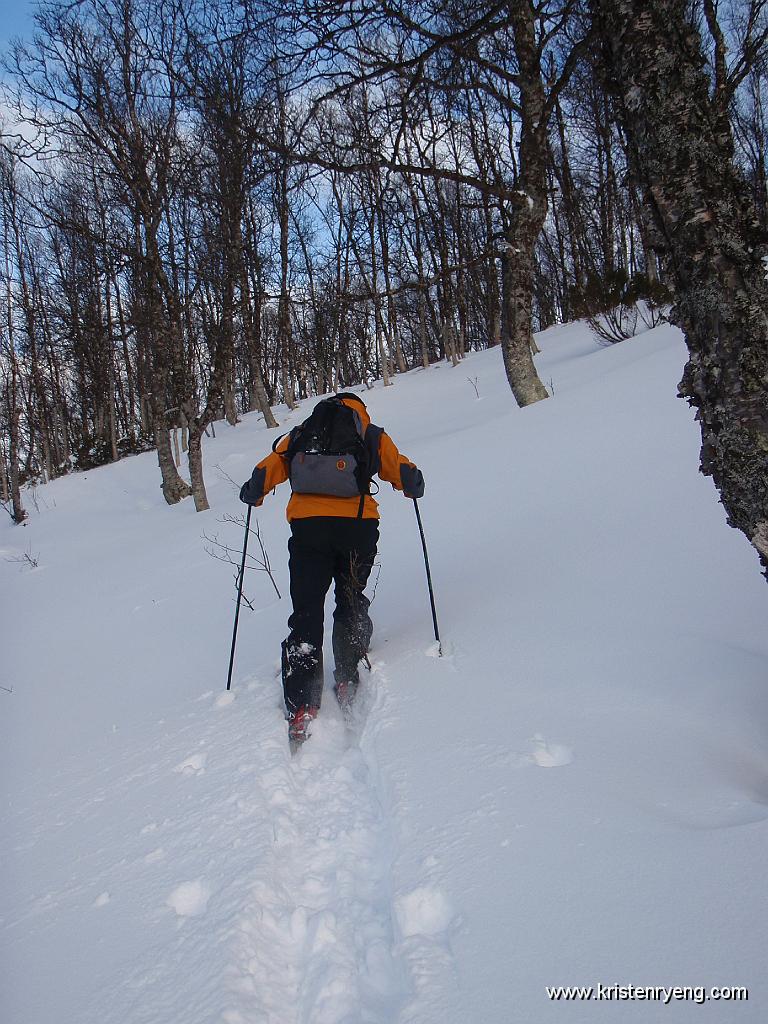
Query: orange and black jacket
[(388, 464)]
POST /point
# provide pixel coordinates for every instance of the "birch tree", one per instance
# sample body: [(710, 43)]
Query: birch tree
[(700, 210)]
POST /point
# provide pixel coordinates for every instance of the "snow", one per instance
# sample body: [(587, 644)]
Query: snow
[(188, 899), (425, 911), (165, 860), (550, 755)]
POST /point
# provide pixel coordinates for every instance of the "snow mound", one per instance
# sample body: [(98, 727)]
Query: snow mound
[(190, 898)]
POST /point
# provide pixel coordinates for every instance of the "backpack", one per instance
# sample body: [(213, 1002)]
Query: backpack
[(331, 453)]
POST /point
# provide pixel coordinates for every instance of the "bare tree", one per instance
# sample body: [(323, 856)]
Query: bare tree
[(8, 355), (493, 52), (99, 87), (221, 66)]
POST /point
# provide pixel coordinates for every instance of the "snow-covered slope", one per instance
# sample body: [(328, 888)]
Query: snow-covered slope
[(575, 794)]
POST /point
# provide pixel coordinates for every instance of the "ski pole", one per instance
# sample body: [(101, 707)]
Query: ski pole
[(429, 578), (239, 596)]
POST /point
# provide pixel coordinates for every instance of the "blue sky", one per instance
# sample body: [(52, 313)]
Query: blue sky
[(15, 19)]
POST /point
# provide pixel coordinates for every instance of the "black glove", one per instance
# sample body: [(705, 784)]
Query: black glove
[(252, 491), (412, 481)]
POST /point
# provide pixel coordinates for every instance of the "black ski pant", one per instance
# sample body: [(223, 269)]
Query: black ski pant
[(324, 549)]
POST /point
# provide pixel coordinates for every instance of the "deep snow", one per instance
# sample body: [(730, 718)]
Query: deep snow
[(576, 793)]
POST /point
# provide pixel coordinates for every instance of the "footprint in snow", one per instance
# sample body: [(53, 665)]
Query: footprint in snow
[(192, 765), (549, 755)]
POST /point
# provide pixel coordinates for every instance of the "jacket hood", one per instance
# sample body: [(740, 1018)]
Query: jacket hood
[(356, 405)]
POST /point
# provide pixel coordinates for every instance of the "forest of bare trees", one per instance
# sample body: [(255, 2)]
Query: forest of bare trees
[(210, 208)]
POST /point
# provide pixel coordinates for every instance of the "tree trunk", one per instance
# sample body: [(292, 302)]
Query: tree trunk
[(423, 337), (257, 392), (516, 334), (195, 456), (12, 391), (261, 398), (18, 511), (5, 494), (167, 360), (378, 319), (232, 261), (694, 198), (525, 220), (14, 429), (173, 486), (449, 342), (285, 343)]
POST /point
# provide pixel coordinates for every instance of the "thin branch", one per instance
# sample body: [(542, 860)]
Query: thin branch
[(224, 553), (26, 559)]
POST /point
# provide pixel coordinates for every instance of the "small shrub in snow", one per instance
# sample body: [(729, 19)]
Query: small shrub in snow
[(617, 306), (98, 451), (92, 453), (133, 444)]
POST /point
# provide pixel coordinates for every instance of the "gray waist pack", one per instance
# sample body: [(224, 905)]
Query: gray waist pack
[(332, 453), (314, 473)]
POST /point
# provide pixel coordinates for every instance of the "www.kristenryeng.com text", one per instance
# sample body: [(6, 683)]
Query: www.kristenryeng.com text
[(647, 993)]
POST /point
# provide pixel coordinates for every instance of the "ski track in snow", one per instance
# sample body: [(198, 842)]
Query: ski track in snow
[(323, 937), (314, 939), (315, 942), (289, 916)]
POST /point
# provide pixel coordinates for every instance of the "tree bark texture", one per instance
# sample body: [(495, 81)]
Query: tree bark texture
[(195, 457), (696, 202), (173, 486)]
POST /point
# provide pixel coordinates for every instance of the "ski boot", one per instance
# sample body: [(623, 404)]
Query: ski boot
[(298, 725), (346, 691)]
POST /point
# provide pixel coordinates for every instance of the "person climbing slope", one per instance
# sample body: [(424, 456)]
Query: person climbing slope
[(330, 460)]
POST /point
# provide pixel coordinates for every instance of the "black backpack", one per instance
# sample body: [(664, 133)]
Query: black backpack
[(331, 453)]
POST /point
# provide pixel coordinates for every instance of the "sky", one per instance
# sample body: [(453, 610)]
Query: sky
[(15, 19)]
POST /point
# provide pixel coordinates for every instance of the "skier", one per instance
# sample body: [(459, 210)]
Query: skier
[(330, 460)]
